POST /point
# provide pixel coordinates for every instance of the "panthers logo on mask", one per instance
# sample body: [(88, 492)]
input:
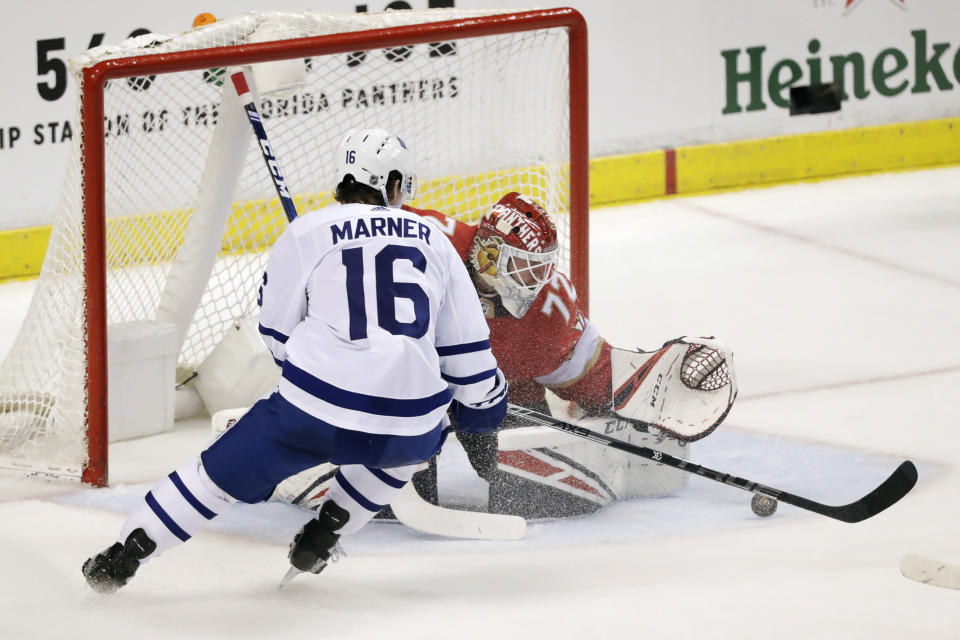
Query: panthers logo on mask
[(486, 254)]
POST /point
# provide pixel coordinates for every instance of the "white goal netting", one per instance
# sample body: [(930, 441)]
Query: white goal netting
[(482, 116)]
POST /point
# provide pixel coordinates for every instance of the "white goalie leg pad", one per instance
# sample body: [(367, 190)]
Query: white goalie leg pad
[(306, 489), (177, 507), (632, 476), (364, 491), (559, 468), (684, 389), (605, 469)]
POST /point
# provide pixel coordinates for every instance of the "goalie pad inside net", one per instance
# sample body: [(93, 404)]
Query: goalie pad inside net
[(189, 206)]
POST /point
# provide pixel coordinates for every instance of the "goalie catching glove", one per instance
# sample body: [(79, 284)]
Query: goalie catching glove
[(685, 389)]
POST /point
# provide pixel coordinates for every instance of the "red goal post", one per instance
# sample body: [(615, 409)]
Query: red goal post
[(572, 203)]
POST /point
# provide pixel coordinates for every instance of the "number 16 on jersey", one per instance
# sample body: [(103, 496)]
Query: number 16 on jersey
[(386, 290)]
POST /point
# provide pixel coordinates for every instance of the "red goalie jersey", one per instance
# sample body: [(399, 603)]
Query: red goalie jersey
[(552, 346)]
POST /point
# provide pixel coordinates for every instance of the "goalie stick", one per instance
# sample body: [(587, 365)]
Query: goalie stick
[(409, 507), (900, 482)]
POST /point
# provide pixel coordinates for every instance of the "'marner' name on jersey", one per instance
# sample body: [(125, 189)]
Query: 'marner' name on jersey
[(399, 227)]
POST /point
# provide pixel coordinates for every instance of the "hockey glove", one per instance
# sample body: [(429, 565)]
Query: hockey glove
[(478, 420)]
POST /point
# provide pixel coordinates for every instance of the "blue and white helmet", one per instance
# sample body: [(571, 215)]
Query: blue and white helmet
[(369, 155)]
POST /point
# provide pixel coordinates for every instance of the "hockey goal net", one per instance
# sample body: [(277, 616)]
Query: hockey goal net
[(167, 212)]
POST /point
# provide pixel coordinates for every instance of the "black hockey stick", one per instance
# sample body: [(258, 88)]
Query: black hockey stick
[(900, 482)]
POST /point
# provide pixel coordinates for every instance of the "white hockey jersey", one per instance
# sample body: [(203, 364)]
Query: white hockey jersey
[(374, 320)]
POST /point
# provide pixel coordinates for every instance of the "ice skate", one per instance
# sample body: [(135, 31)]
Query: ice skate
[(112, 568), (316, 544)]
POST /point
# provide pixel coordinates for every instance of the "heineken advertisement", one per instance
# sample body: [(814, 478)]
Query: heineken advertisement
[(923, 67)]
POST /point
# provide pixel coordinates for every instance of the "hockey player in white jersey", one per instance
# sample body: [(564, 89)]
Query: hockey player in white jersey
[(371, 315)]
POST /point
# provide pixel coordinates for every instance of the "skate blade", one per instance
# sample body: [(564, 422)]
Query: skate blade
[(292, 573)]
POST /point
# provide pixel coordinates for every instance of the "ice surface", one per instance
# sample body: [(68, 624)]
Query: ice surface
[(841, 300)]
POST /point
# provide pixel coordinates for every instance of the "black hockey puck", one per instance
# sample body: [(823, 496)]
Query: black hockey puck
[(762, 505)]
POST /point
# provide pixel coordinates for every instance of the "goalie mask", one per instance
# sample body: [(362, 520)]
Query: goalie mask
[(369, 155), (515, 251)]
